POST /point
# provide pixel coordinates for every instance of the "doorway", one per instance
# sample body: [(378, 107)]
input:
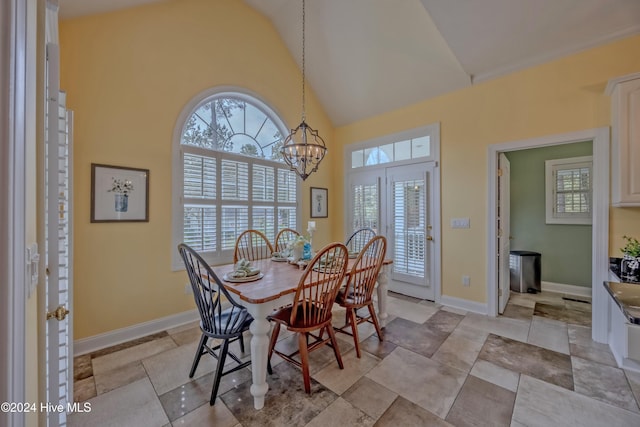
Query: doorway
[(600, 225), (400, 202)]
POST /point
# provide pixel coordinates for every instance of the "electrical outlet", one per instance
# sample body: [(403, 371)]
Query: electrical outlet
[(187, 289), (466, 280)]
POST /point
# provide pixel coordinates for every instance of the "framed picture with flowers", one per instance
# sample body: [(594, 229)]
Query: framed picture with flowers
[(119, 194)]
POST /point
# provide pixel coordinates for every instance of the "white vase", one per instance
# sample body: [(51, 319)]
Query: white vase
[(296, 252)]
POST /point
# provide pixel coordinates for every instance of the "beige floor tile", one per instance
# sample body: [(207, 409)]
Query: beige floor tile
[(341, 412), (187, 336), (339, 380), (515, 329), (417, 313), (217, 415), (370, 397), (540, 404), (602, 382), (423, 381), (634, 383), (581, 345), (458, 352), (495, 374), (121, 358), (135, 405), (550, 334), (170, 369), (481, 403), (118, 377), (405, 413)]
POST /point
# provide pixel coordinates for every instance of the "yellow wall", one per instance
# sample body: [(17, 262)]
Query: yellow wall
[(127, 76), (562, 96)]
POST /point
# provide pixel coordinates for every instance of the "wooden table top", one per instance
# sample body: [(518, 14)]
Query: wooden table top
[(280, 278)]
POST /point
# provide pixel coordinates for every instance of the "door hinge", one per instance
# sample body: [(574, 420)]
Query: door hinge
[(499, 292), (499, 172)]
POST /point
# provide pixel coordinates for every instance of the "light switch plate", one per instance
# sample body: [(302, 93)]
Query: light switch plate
[(460, 223)]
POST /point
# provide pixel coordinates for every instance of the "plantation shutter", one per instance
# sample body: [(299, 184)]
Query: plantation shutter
[(408, 200), (199, 189)]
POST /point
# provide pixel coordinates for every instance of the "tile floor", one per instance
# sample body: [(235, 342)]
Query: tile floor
[(534, 366)]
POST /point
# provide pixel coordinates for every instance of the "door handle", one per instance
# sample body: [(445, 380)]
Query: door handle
[(59, 313)]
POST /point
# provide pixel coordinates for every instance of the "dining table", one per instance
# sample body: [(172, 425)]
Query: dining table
[(275, 288)]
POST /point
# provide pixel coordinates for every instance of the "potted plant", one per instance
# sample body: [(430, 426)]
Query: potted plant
[(630, 266)]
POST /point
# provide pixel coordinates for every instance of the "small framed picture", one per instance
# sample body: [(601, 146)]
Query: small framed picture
[(119, 194), (319, 203)]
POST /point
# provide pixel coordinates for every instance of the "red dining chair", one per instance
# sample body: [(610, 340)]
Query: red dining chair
[(311, 308), (283, 238), (252, 245), (359, 290)]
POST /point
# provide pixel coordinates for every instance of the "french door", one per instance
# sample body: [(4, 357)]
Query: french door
[(398, 202), (58, 248)]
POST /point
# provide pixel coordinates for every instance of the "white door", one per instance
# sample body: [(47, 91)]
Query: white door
[(504, 173), (364, 201), (58, 248), (409, 230)]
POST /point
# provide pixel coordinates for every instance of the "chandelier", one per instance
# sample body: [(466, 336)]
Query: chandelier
[(303, 148)]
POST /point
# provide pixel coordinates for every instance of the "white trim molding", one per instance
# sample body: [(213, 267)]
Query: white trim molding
[(562, 288), (600, 226), (464, 304), (13, 89), (118, 336)]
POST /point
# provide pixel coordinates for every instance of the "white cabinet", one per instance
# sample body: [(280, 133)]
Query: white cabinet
[(625, 147)]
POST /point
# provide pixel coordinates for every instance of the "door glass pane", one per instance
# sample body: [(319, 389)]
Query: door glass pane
[(409, 204), (357, 159), (420, 147), (402, 150), (365, 207)]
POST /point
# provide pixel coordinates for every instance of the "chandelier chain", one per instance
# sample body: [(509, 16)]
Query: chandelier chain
[(303, 58)]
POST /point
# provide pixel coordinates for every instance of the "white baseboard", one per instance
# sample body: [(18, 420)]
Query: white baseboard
[(118, 336), (463, 304), (582, 291)]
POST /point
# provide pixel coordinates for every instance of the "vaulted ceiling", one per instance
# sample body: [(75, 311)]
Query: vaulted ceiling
[(367, 57)]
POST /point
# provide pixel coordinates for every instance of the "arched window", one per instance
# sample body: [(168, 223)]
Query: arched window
[(229, 174)]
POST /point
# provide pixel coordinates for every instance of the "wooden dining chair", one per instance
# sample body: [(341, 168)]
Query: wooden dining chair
[(252, 245), (311, 308), (222, 325), (359, 238), (359, 290), (283, 238)]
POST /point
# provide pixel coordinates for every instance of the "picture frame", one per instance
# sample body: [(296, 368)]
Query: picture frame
[(119, 194), (319, 202)]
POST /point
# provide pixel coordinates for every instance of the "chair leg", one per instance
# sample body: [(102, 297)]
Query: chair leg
[(241, 339), (274, 339), (224, 348), (334, 343), (196, 359), (354, 329), (304, 359), (372, 312)]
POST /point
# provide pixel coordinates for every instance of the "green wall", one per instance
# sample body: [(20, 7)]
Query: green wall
[(565, 249)]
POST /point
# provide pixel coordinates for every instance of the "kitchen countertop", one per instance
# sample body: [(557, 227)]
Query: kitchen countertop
[(627, 297)]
